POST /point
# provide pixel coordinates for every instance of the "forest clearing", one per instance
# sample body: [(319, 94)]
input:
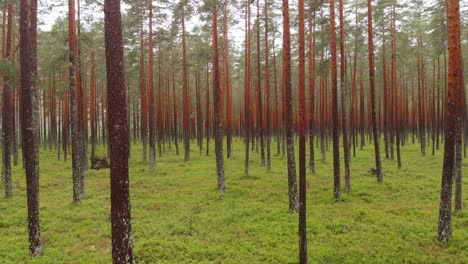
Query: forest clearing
[(243, 131)]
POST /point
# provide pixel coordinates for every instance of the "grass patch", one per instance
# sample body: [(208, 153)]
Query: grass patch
[(179, 217)]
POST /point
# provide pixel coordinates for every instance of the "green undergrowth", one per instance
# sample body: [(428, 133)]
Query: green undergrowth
[(179, 217)]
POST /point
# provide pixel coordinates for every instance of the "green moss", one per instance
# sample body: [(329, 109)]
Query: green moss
[(179, 217)]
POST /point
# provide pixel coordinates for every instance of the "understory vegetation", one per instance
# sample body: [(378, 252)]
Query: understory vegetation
[(179, 217)]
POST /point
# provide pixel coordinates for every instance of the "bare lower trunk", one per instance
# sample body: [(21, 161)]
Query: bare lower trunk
[(122, 241), (292, 185), (217, 108), (454, 104), (29, 119), (375, 130)]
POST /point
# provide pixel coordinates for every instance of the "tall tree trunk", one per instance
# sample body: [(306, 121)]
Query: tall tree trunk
[(217, 107), (199, 112), (247, 121), (259, 91), (93, 108), (143, 93), (8, 109), (77, 159), (29, 118), (292, 185), (208, 115), (375, 131), (396, 103), (186, 115), (174, 102), (336, 136), (122, 241), (386, 102), (227, 82), (344, 98), (302, 140), (454, 103), (312, 92), (150, 90), (268, 93)]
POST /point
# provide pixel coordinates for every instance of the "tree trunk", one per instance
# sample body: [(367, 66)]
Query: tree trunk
[(292, 185), (396, 102), (150, 90), (77, 159), (302, 140), (143, 93), (375, 131), (217, 107), (312, 92), (93, 109), (247, 121), (454, 104), (227, 82), (336, 136), (186, 115), (8, 109), (122, 241), (259, 91), (344, 98), (268, 93), (208, 116), (29, 118)]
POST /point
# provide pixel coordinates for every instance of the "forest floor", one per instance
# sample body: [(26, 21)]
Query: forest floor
[(179, 217)]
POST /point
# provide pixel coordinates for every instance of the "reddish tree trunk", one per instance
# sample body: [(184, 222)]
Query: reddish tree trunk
[(312, 92), (227, 82), (208, 115), (375, 132), (396, 102), (344, 98), (259, 91), (454, 105), (247, 121), (217, 106), (122, 241), (302, 139), (150, 90), (186, 115), (268, 93), (78, 173), (336, 136), (292, 185), (29, 119)]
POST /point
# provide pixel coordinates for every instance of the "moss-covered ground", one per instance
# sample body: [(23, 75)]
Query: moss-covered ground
[(179, 217)]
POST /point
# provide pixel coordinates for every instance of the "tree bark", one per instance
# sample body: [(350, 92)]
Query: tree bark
[(150, 90), (375, 129), (143, 93), (302, 140), (454, 103), (217, 107), (247, 132), (344, 98), (335, 132), (29, 118), (77, 159), (268, 93), (312, 92), (292, 185), (186, 115), (122, 241), (8, 108)]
